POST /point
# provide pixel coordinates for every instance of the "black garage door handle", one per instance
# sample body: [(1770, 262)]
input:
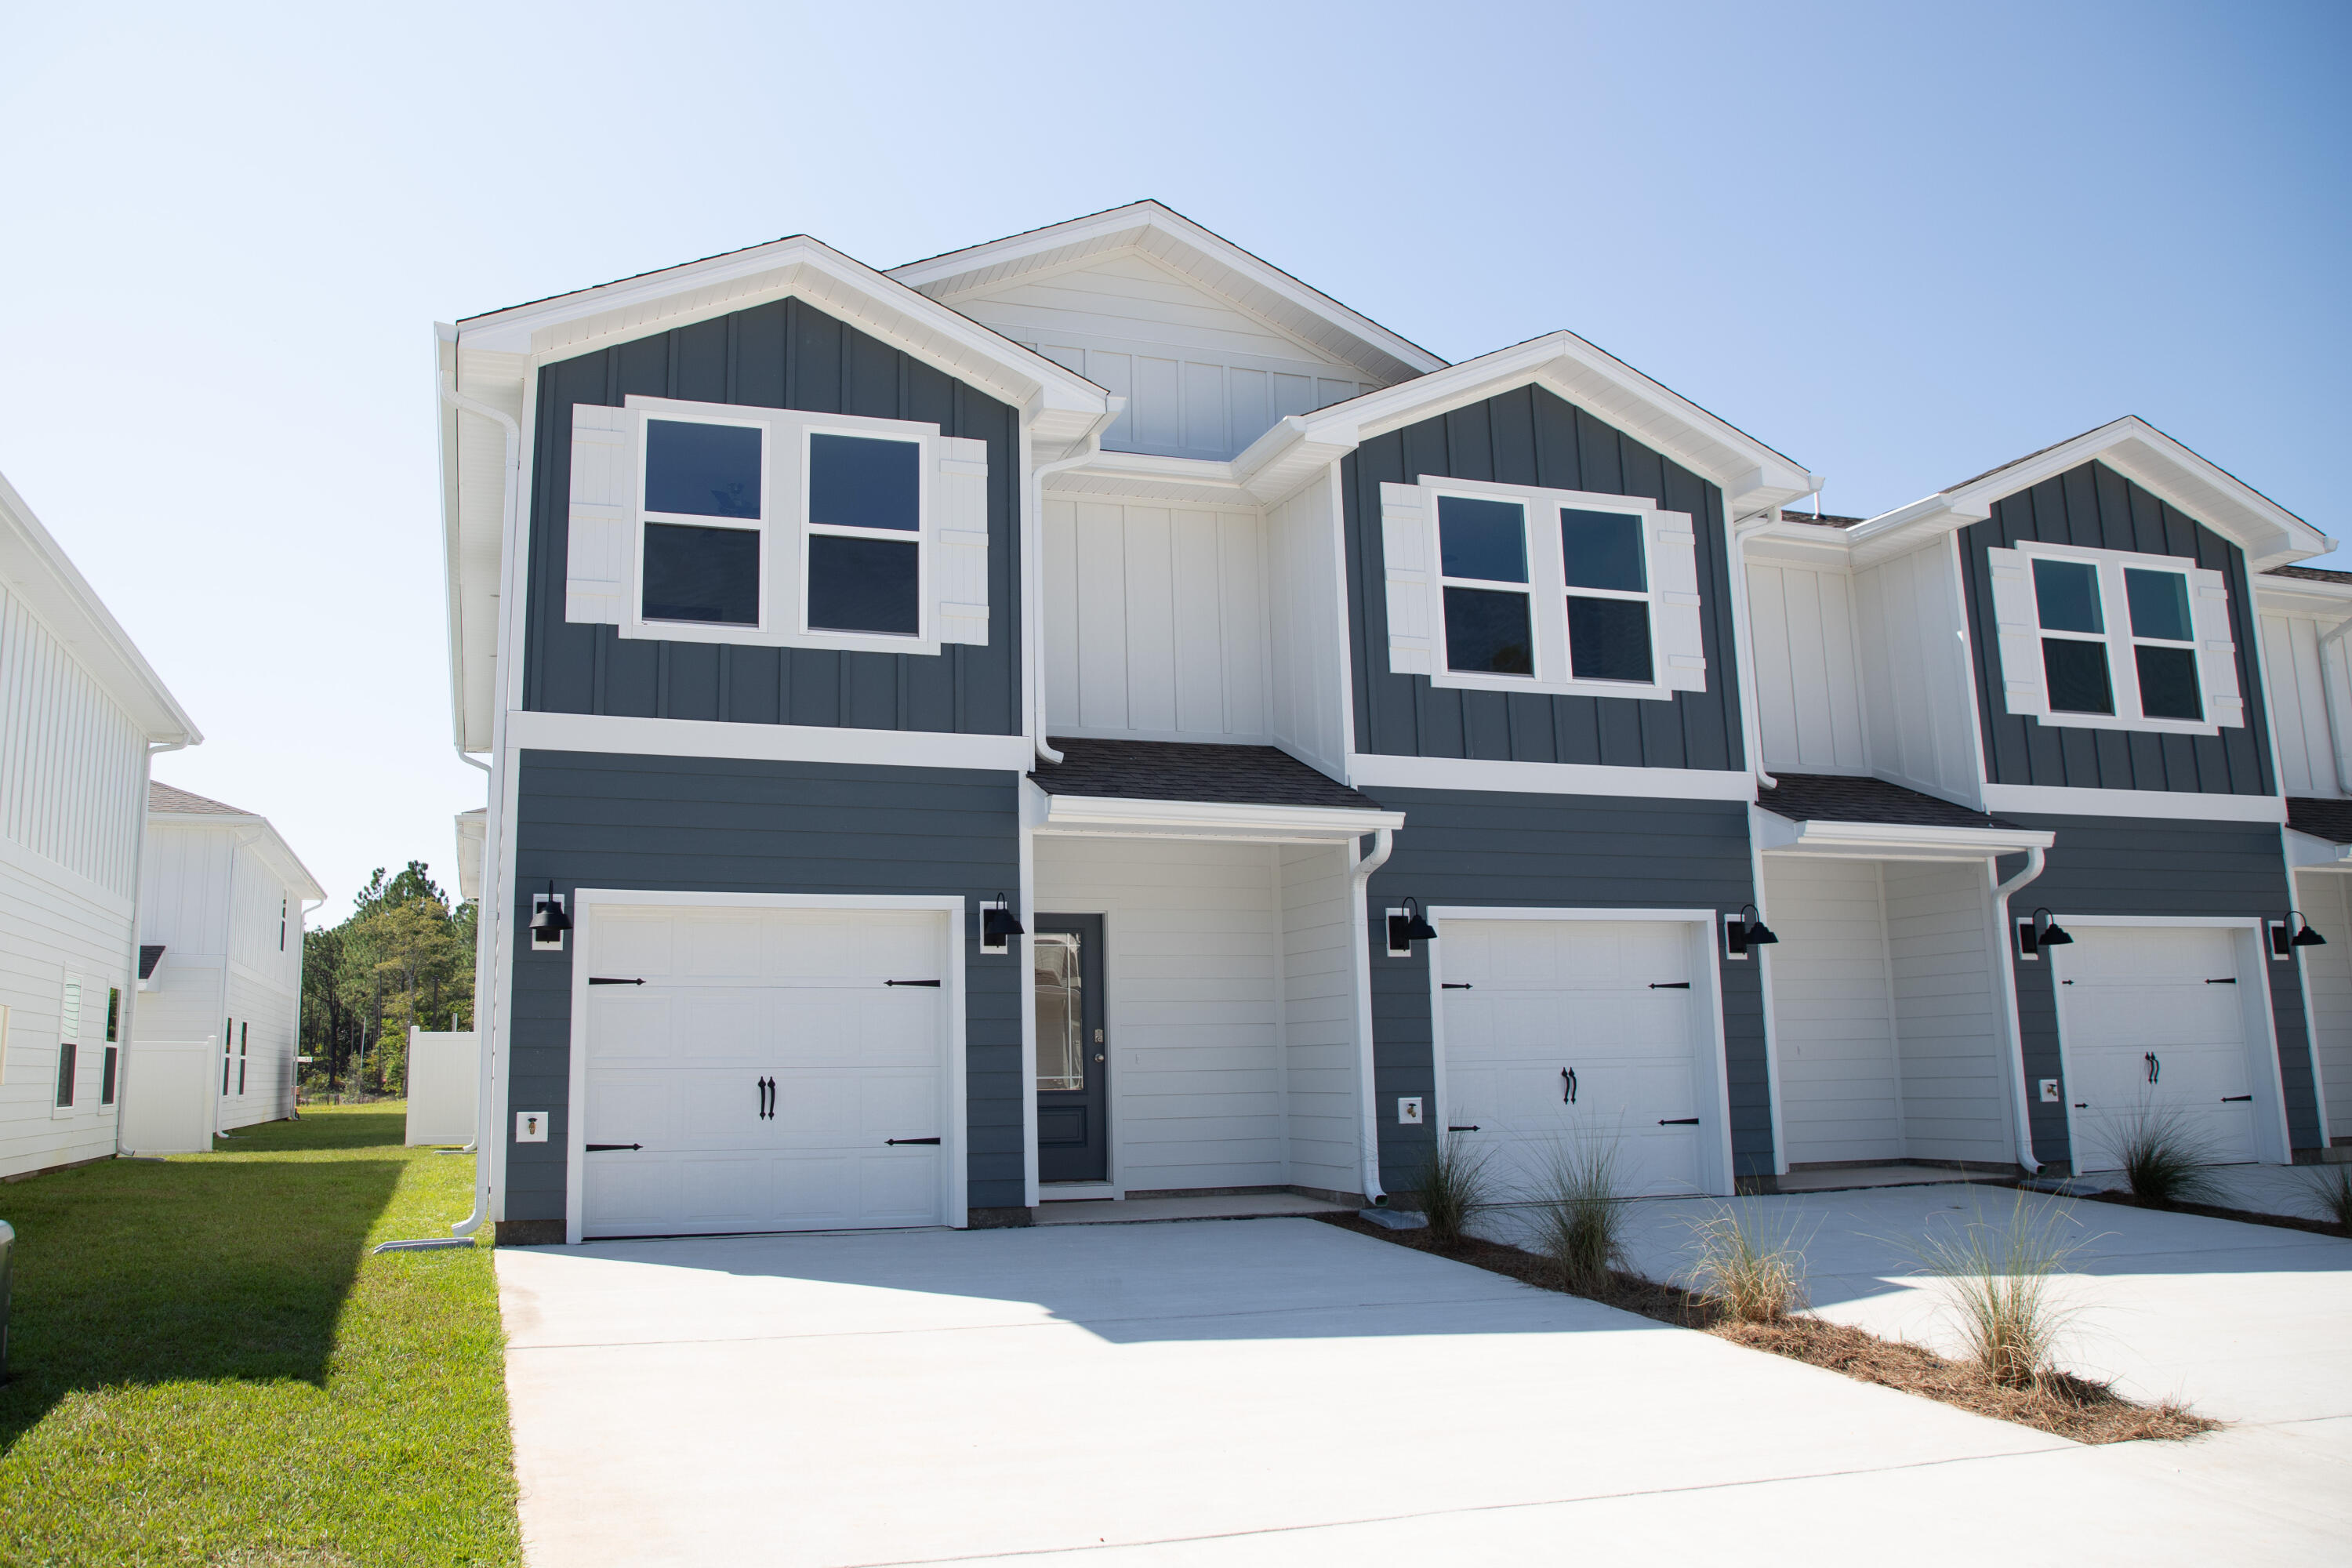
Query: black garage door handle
[(2232, 1099), (910, 1141), (1680, 1121)]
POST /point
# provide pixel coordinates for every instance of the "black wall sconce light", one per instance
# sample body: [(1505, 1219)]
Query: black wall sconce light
[(2283, 946), (1406, 927), (1740, 933), (548, 920), (2038, 931), (999, 925)]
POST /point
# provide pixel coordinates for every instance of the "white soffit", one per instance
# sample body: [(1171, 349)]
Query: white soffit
[(1778, 835), (2269, 534), (2309, 852), (1212, 262), (1119, 816)]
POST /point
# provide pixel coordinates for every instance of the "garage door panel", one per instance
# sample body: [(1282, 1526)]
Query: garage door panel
[(731, 1024), (626, 1193), (820, 1191), (631, 943), (897, 1183), (720, 944), (904, 1105), (630, 1026), (817, 1107)]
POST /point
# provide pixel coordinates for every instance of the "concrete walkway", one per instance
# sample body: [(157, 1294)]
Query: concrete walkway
[(1272, 1391)]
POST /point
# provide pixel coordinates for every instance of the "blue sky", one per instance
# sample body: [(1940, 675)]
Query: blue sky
[(1902, 244)]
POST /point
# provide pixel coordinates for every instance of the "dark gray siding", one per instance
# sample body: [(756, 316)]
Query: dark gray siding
[(1528, 437), (784, 356), (2134, 866), (1461, 847), (599, 820), (2096, 507)]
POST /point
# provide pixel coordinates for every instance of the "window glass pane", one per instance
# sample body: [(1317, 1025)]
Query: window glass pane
[(66, 1067), (702, 574), (1603, 549), (1485, 539), (2168, 681), (863, 585), (2077, 673), (2068, 595), (1061, 1011), (1608, 639), (2159, 603), (1487, 632), (859, 483), (702, 470)]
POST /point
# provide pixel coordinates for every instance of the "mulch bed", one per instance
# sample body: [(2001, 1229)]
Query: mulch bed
[(2211, 1211), (2063, 1403)]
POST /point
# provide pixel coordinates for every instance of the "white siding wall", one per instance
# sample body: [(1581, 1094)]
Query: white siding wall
[(2299, 701), (1201, 378), (1318, 1018), (1194, 984), (2323, 898), (1832, 1014), (1919, 707), (1155, 621), (72, 766), (1309, 637), (1948, 1013), (1807, 687)]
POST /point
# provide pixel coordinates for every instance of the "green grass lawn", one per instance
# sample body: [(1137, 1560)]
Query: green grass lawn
[(206, 1366)]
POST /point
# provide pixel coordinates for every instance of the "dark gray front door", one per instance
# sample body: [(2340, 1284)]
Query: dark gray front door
[(1073, 1091)]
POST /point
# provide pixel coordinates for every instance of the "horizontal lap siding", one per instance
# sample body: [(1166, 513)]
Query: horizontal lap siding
[(1461, 847), (2120, 866), (1948, 1012), (2093, 506), (1529, 436), (782, 355), (49, 930), (1841, 1089), (738, 826)]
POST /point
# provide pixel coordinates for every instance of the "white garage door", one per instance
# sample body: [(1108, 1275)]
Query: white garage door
[(1563, 1031), (756, 1079), (2155, 1021)]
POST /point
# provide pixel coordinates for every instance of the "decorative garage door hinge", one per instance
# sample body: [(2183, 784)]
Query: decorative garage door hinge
[(912, 1139), (930, 983), (610, 979), (608, 1147)]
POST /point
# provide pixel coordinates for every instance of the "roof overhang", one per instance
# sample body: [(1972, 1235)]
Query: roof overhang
[(2309, 852), (2269, 534), (1777, 835), (2302, 596), (1118, 817), (36, 569), (1213, 262), (258, 832)]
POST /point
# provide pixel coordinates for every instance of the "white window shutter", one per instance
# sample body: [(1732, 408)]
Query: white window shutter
[(2018, 627), (1409, 548), (959, 539), (604, 509), (2216, 649), (1681, 631)]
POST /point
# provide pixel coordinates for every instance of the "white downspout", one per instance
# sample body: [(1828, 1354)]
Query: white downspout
[(1383, 842), (1744, 648), (1032, 571), (2034, 861)]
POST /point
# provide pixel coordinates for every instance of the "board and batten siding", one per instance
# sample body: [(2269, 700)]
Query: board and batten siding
[(2303, 672), (1833, 1010), (2325, 900), (1307, 641), (2093, 506), (1155, 621), (787, 354), (726, 826), (1481, 848), (73, 764), (1916, 725), (1201, 378), (2155, 865), (1807, 670), (1531, 436), (1950, 1014)]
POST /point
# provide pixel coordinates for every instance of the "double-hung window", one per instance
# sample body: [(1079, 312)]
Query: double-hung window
[(1518, 588), (720, 522), (2114, 639)]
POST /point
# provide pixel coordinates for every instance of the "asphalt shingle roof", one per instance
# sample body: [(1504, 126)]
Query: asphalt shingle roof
[(2329, 819), (1175, 770), (163, 797), (1834, 798)]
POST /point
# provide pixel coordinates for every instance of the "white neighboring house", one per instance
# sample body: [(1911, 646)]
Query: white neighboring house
[(221, 901), (80, 715)]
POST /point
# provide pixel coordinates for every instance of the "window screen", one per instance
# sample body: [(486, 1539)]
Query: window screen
[(1608, 639), (859, 481), (2077, 673), (2067, 595), (859, 585), (106, 1075), (708, 574), (67, 1051), (702, 470)]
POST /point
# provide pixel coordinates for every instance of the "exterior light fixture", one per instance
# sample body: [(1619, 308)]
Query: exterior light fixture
[(999, 925), (548, 920), (2304, 935), (1406, 927), (2039, 931), (1741, 932), (2283, 946)]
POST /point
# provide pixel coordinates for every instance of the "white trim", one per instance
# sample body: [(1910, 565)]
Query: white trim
[(1702, 933), (2308, 852), (1891, 841), (1373, 771), (2122, 641), (2177, 805), (1717, 938), (586, 901), (1076, 813), (527, 731), (1032, 805)]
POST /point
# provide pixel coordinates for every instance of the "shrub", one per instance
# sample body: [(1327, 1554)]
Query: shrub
[(1579, 1212), (1455, 1187), (2000, 1282), (2331, 1189), (1751, 1267), (2163, 1159)]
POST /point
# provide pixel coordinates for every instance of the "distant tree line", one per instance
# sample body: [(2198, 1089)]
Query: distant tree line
[(404, 956)]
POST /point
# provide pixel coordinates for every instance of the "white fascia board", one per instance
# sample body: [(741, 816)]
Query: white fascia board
[(266, 840), (1892, 841), (1368, 770), (2301, 596), (527, 731), (1073, 813), (37, 570), (1252, 284), (2157, 806), (1799, 545), (2269, 534), (1752, 476)]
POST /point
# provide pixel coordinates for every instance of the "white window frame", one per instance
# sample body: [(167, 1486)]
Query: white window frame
[(2119, 638), (1547, 576), (919, 536)]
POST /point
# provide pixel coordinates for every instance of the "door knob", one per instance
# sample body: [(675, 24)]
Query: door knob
[(1098, 1056)]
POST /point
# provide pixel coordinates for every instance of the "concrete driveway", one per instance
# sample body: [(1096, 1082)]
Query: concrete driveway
[(1269, 1391)]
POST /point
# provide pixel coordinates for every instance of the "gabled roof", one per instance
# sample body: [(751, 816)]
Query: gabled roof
[(37, 571), (164, 800), (2265, 531), (1210, 261)]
